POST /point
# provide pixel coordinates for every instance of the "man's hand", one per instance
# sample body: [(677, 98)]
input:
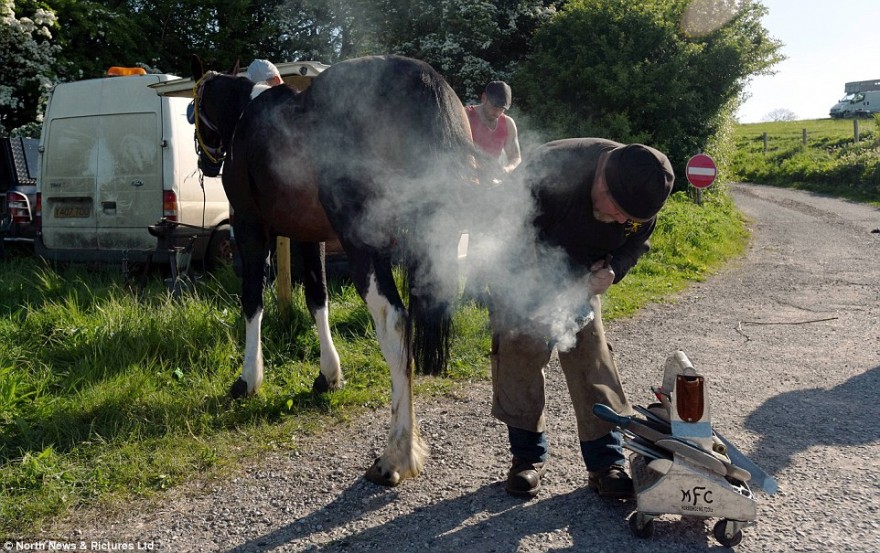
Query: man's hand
[(601, 277)]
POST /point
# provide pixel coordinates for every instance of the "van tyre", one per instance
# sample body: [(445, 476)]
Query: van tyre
[(220, 247)]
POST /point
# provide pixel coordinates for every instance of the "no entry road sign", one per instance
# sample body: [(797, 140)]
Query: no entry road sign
[(701, 171)]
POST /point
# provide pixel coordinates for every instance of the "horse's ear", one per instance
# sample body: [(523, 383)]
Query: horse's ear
[(195, 65), (235, 68)]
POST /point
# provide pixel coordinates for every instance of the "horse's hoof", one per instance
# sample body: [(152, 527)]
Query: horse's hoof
[(322, 385), (384, 477), (239, 389)]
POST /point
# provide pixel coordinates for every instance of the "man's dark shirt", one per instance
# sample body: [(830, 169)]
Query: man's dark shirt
[(561, 176)]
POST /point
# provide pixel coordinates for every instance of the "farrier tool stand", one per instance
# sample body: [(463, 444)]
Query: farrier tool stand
[(682, 466)]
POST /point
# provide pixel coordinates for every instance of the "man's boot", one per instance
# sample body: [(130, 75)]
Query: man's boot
[(524, 477), (529, 463), (607, 466)]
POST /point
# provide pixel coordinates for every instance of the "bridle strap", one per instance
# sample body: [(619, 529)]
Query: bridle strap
[(216, 155)]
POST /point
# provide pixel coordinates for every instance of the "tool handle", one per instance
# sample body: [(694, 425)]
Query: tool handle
[(632, 424), (608, 414)]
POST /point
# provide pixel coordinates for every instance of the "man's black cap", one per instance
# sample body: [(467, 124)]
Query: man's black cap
[(498, 92), (639, 179)]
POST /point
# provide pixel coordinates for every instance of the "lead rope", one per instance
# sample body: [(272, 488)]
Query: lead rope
[(200, 144)]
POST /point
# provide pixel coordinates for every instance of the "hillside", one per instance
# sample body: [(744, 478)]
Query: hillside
[(830, 162)]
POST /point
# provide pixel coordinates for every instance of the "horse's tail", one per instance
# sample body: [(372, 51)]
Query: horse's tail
[(452, 179), (449, 165), (429, 329)]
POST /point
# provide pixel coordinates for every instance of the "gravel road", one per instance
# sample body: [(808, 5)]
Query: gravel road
[(788, 338)]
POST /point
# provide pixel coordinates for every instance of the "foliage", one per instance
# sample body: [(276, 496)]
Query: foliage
[(97, 35), (830, 162), (470, 42), (27, 56), (676, 78), (326, 30), (635, 72)]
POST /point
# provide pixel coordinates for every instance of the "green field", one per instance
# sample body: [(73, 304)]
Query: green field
[(831, 162)]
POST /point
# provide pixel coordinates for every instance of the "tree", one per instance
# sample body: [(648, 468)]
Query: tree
[(27, 56), (95, 36), (781, 114), (161, 35), (630, 71), (470, 42)]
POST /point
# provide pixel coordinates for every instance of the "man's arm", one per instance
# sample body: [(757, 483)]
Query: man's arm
[(511, 147)]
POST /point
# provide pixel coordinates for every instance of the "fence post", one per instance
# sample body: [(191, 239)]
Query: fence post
[(856, 129), (805, 137), (765, 142), (282, 278)]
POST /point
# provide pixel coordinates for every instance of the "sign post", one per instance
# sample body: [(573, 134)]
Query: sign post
[(701, 172)]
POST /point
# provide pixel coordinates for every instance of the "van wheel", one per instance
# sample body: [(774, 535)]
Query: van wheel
[(219, 252)]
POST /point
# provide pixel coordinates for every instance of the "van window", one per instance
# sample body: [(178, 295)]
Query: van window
[(75, 140), (130, 140), (125, 144)]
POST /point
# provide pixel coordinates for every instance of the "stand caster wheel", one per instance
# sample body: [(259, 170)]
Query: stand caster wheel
[(720, 533), (641, 526)]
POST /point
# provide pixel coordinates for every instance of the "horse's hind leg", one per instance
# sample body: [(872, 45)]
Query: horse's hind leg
[(253, 246), (315, 287), (405, 454)]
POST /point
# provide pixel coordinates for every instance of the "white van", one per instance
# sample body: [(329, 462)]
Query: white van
[(862, 99), (116, 158)]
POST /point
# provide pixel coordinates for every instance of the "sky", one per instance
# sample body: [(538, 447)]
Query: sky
[(826, 45)]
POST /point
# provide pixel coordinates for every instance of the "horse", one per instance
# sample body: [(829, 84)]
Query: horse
[(376, 152)]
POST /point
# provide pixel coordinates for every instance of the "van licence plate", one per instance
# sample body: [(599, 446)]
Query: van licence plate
[(78, 211)]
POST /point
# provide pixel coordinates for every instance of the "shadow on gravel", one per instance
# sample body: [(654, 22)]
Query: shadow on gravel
[(486, 520), (846, 415)]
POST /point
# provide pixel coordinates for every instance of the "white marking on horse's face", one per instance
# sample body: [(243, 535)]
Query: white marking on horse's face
[(259, 89), (329, 357), (252, 372)]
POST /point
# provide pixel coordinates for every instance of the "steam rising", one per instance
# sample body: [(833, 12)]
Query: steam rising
[(533, 285), (423, 203)]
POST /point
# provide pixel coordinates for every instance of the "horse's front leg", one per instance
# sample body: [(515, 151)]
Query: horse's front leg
[(315, 289), (405, 454), (253, 247)]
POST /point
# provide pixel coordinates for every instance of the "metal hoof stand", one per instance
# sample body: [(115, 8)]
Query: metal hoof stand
[(681, 466)]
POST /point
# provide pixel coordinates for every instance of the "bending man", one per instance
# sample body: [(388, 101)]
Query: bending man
[(597, 203)]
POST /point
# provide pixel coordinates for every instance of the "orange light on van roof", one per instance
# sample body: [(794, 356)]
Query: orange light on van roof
[(125, 71)]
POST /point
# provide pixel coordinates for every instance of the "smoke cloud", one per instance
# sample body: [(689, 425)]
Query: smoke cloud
[(407, 195)]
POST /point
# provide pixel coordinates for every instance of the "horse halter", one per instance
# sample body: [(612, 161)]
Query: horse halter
[(214, 155)]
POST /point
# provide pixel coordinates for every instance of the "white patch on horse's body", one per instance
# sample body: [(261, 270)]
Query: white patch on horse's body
[(252, 372), (259, 89), (330, 366), (405, 453)]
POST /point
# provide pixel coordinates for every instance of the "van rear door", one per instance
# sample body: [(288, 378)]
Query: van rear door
[(102, 180), (129, 180)]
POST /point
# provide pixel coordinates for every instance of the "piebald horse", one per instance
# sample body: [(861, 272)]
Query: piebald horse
[(377, 152)]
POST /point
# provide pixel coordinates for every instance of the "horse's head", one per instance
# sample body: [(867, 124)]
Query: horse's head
[(218, 101)]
